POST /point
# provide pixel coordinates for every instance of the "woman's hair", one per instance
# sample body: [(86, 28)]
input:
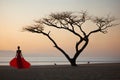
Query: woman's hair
[(18, 47)]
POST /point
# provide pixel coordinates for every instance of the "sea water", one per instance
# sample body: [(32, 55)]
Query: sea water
[(61, 60)]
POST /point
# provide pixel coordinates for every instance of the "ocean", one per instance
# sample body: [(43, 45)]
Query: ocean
[(61, 60)]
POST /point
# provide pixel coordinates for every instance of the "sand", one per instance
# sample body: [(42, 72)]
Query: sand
[(63, 72)]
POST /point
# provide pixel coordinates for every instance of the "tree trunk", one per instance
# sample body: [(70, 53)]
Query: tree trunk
[(73, 62)]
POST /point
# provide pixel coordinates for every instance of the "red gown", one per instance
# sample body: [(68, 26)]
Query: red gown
[(19, 62)]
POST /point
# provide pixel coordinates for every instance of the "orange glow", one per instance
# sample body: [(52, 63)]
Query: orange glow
[(16, 15)]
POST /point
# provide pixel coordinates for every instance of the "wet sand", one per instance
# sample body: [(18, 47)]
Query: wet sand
[(63, 72)]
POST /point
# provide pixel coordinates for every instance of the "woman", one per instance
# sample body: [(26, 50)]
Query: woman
[(19, 62)]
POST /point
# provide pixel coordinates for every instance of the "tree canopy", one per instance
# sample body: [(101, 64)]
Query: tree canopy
[(74, 23)]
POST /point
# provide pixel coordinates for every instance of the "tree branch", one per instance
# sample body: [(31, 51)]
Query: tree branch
[(65, 28), (81, 29), (34, 30), (56, 45), (94, 31), (77, 45), (81, 49), (103, 23)]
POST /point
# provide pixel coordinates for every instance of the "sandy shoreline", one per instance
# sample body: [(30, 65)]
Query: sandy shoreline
[(63, 72)]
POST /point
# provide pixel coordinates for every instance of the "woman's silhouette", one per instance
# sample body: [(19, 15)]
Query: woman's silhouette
[(19, 62)]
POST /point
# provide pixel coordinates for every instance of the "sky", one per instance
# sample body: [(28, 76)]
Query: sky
[(16, 14)]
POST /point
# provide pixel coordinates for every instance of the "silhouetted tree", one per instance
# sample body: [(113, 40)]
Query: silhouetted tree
[(72, 22)]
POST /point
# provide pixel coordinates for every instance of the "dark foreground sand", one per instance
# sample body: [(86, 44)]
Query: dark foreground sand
[(63, 72)]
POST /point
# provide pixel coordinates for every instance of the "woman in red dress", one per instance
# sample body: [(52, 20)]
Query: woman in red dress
[(19, 62)]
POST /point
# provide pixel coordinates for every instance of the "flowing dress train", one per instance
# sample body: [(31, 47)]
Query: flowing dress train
[(19, 62)]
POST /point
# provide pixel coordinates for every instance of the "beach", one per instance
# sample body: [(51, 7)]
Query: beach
[(63, 72)]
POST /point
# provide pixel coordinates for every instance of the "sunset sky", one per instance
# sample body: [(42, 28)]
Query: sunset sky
[(16, 14)]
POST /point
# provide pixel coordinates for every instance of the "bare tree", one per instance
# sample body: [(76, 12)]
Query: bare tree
[(72, 22)]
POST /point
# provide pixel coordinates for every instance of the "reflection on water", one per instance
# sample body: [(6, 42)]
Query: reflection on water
[(61, 60)]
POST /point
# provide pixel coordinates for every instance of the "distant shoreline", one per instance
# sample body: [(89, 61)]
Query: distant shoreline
[(60, 60), (38, 63)]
